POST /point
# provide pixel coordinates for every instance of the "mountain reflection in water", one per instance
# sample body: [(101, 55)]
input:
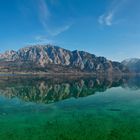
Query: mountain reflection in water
[(52, 89)]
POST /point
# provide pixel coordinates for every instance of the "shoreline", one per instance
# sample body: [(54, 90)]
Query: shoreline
[(3, 74)]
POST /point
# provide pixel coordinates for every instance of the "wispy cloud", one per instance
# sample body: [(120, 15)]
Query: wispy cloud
[(46, 20), (44, 13), (58, 30), (108, 17), (43, 39)]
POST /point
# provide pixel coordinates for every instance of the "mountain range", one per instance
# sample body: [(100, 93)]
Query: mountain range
[(53, 59), (132, 64)]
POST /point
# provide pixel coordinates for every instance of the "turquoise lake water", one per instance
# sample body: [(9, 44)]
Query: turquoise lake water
[(69, 108)]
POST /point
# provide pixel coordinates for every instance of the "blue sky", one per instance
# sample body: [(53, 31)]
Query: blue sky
[(109, 28)]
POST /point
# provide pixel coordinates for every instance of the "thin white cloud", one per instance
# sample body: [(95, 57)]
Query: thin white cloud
[(43, 39), (45, 19), (44, 13), (108, 17), (59, 30)]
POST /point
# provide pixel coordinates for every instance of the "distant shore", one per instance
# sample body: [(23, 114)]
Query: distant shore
[(47, 73), (65, 74)]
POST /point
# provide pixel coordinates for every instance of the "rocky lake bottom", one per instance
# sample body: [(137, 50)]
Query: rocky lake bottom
[(42, 108)]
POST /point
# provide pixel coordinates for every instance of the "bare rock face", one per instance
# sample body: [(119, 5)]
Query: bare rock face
[(9, 55), (45, 55)]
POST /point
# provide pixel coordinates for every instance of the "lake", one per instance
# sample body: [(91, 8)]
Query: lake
[(69, 108)]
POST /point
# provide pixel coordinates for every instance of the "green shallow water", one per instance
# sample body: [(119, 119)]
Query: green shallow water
[(112, 112)]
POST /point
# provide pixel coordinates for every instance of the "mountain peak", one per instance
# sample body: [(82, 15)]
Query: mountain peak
[(131, 60), (133, 64)]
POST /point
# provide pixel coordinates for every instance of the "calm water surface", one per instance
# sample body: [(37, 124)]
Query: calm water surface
[(46, 108)]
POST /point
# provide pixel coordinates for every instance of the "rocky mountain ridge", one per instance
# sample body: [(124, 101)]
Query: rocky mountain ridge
[(49, 57)]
